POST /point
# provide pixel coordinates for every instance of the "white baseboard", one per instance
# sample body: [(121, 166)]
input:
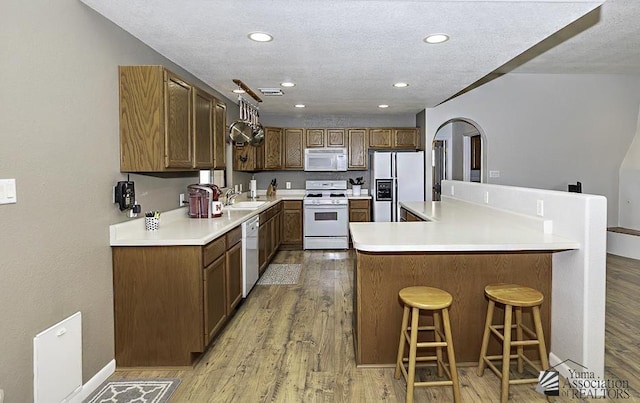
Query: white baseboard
[(623, 245), (563, 369), (94, 382)]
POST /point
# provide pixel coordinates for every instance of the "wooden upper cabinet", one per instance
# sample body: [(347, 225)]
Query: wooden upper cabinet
[(380, 138), (294, 149), (244, 157), (220, 135), (178, 104), (336, 138), (272, 148), (166, 123), (203, 129), (357, 149), (405, 138), (314, 138)]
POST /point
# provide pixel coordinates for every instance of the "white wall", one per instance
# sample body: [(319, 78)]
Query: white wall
[(629, 215), (546, 131)]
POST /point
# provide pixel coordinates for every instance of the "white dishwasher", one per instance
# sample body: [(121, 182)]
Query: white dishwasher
[(250, 267)]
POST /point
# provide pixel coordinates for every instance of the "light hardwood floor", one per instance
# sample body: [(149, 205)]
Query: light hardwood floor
[(295, 344)]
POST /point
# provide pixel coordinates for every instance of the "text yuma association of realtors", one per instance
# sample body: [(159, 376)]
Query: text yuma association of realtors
[(585, 384)]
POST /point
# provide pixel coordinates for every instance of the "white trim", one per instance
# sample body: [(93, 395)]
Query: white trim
[(624, 245), (94, 382), (563, 369)]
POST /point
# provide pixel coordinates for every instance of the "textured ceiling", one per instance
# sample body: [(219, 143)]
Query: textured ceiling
[(610, 46), (344, 55)]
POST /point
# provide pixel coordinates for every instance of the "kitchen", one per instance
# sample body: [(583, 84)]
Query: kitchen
[(70, 270)]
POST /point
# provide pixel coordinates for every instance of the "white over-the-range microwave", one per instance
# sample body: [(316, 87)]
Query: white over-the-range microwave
[(325, 159)]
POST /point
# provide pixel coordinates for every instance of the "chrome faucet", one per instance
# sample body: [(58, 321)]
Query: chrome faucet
[(229, 196)]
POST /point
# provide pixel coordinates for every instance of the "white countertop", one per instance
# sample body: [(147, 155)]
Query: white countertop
[(458, 226), (176, 228)]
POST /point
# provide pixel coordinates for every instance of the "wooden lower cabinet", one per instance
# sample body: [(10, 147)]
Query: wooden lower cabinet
[(359, 210), (234, 268), (269, 235), (171, 301), (215, 298), (408, 216), (292, 224)]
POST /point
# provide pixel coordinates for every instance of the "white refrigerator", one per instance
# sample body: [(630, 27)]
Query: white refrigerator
[(396, 176)]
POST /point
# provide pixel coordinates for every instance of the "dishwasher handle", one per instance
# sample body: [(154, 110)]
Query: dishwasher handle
[(253, 224)]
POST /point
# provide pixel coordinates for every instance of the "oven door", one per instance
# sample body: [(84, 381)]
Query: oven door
[(326, 220)]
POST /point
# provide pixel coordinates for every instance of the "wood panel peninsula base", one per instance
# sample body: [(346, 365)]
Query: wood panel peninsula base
[(379, 276)]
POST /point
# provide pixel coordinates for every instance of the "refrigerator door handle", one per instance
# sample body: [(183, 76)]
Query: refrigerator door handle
[(394, 204), (394, 191)]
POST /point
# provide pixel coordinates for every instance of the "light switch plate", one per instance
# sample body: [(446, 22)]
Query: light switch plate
[(494, 174), (288, 185), (8, 191), (540, 208)]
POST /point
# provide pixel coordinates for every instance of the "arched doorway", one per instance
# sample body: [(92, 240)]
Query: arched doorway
[(459, 153)]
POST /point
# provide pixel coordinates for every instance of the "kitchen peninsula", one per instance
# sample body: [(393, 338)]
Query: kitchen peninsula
[(463, 245)]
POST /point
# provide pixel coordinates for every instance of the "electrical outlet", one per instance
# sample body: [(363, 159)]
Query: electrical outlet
[(486, 197), (181, 201), (494, 174), (540, 208), (288, 185)]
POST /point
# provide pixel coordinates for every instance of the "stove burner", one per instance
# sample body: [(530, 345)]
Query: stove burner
[(314, 195), (337, 195)]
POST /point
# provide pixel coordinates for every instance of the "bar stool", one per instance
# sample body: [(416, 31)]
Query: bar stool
[(518, 297), (436, 300)]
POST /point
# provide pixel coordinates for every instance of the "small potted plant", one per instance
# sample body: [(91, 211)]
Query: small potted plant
[(356, 185)]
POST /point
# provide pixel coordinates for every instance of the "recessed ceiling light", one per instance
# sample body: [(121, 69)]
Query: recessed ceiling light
[(239, 91), (300, 105), (288, 84), (260, 37), (436, 38), (383, 106), (400, 85)]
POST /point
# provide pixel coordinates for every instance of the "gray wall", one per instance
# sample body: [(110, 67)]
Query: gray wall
[(59, 136), (546, 131)]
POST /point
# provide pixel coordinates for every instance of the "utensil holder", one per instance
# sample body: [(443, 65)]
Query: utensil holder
[(357, 189), (151, 223)]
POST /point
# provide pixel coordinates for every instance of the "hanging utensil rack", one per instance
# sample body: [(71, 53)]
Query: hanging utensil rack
[(248, 90)]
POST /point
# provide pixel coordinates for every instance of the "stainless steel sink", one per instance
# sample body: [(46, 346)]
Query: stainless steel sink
[(246, 205)]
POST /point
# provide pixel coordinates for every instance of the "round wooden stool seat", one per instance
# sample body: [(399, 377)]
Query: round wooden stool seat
[(513, 294), (425, 298)]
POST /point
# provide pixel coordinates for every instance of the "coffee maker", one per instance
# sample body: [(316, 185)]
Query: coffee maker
[(201, 198)]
